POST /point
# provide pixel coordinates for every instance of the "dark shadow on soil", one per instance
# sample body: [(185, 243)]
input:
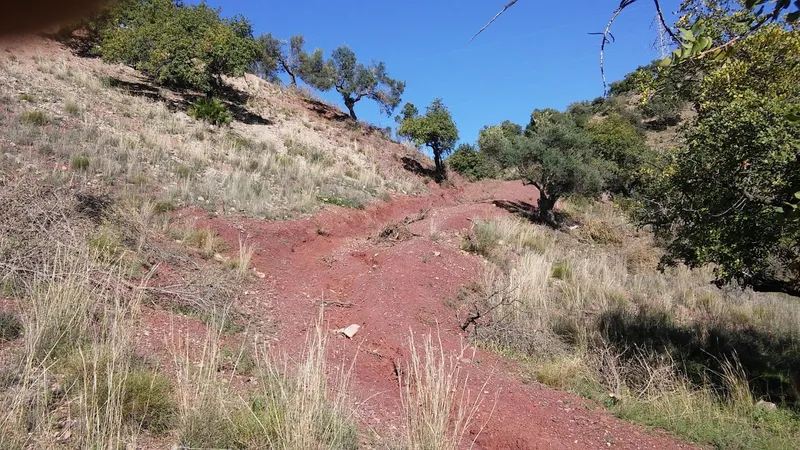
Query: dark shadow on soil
[(531, 212), (325, 111), (415, 167), (771, 362), (233, 99)]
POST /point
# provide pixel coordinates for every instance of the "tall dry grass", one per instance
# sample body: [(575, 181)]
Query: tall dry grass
[(588, 312), (293, 406), (289, 167), (439, 406)]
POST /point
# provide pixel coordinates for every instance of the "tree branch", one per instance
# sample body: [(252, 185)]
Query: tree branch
[(509, 5), (664, 22), (622, 5)]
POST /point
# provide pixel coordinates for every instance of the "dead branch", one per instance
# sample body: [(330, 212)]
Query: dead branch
[(496, 16)]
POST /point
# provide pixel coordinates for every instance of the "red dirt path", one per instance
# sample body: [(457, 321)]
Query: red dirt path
[(390, 289)]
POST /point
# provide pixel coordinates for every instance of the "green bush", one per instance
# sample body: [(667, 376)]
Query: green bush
[(179, 45), (148, 400), (79, 163), (35, 117), (211, 110), (471, 163)]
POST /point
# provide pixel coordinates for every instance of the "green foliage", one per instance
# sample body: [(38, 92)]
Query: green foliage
[(353, 80), (435, 130), (211, 110), (716, 202), (182, 46), (34, 117), (618, 142), (471, 163), (148, 400), (554, 154), (276, 56), (79, 163)]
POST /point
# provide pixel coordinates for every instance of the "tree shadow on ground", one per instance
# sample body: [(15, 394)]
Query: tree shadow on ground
[(325, 111), (770, 361), (183, 100), (531, 212), (415, 167)]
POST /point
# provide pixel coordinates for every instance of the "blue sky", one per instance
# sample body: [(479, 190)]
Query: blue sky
[(536, 55)]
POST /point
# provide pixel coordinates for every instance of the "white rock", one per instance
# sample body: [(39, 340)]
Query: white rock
[(350, 330)]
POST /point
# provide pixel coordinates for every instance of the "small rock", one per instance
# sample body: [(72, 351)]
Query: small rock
[(465, 360), (437, 253), (200, 199), (350, 330), (259, 274), (768, 406), (374, 266)]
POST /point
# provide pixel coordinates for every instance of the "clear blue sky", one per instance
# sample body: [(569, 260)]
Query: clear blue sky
[(536, 55)]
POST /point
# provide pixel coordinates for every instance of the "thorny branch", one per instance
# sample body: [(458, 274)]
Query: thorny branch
[(477, 314)]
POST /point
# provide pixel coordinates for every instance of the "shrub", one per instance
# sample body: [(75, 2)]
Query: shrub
[(180, 45), (35, 117), (72, 108), (211, 110), (79, 163), (471, 163)]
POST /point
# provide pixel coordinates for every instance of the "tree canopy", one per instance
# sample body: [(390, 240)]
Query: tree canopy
[(435, 129), (281, 56), (717, 199), (355, 81), (182, 46), (553, 153)]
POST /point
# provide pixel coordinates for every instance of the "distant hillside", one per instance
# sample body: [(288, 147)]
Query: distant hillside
[(107, 127)]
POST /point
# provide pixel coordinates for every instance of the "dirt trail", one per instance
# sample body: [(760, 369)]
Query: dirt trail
[(390, 288)]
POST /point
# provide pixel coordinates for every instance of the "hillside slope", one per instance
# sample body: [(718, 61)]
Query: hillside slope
[(120, 130), (116, 196)]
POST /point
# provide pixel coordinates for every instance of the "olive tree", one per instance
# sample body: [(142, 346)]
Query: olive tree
[(182, 46), (281, 56), (355, 81), (435, 129), (553, 154)]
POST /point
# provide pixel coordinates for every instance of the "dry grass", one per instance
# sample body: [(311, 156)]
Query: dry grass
[(72, 378), (439, 407), (113, 138), (672, 349), (292, 407)]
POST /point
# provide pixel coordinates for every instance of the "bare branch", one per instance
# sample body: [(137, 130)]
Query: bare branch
[(509, 5), (622, 5)]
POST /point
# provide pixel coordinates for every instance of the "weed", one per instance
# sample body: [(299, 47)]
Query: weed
[(34, 117), (438, 406), (205, 240), (25, 97), (562, 271), (79, 163), (343, 202), (211, 110), (10, 326), (72, 108)]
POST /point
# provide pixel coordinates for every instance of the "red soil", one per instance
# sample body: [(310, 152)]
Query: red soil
[(393, 288)]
